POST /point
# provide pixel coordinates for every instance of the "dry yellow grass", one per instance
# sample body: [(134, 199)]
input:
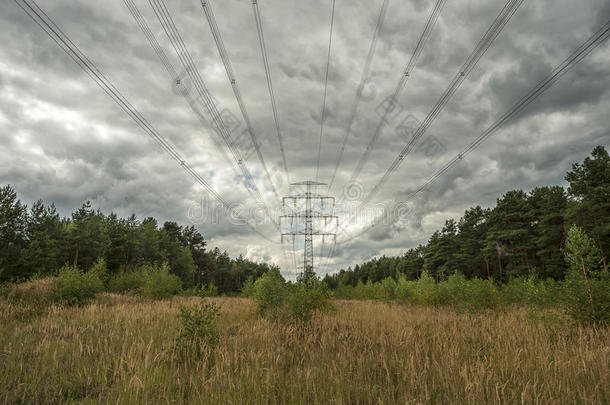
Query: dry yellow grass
[(119, 349)]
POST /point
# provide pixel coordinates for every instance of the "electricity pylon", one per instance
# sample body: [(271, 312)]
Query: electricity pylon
[(308, 215)]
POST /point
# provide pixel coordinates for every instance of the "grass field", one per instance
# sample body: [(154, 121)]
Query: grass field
[(120, 349)]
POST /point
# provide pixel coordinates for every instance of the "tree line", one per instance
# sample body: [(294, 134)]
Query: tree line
[(37, 241), (523, 234)]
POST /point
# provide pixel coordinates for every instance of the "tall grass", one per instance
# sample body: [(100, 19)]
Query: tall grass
[(120, 349)]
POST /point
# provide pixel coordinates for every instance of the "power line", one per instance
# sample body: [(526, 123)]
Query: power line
[(580, 53), (406, 73), (323, 112), (480, 49), (575, 57), (263, 47), (224, 55), (42, 19), (171, 71), (135, 13), (173, 34), (363, 79)]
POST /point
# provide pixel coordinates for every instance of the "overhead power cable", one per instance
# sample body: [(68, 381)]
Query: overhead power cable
[(174, 76), (42, 19), (406, 73), (364, 77), (263, 47), (323, 112), (580, 53), (224, 55), (482, 46), (595, 40), (173, 34)]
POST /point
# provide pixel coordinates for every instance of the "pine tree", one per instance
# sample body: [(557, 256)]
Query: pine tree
[(547, 207), (87, 238), (472, 228), (13, 234), (45, 235), (510, 237)]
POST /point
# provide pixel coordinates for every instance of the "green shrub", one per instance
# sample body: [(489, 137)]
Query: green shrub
[(278, 300), (305, 299), (480, 294), (587, 283), (208, 291), (386, 289), (544, 293), (425, 290), (160, 284), (99, 268), (344, 291), (515, 291), (361, 291), (198, 328), (128, 280), (270, 292), (73, 287), (198, 323), (404, 288), (247, 290)]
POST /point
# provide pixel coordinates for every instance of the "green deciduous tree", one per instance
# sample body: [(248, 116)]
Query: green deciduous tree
[(588, 282), (589, 192)]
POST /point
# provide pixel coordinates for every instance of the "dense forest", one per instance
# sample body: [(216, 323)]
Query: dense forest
[(38, 242), (522, 235)]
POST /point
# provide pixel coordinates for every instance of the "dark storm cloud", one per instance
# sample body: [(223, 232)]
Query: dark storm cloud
[(62, 139)]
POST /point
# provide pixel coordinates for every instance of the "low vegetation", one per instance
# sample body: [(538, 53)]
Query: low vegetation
[(278, 300), (122, 349)]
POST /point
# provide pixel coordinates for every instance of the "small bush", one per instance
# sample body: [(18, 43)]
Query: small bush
[(515, 291), (481, 294), (208, 291), (73, 287), (198, 323), (160, 284), (587, 283), (306, 299), (404, 288), (278, 300), (198, 328), (128, 281), (344, 291), (99, 268), (247, 289), (270, 292), (386, 289), (425, 290)]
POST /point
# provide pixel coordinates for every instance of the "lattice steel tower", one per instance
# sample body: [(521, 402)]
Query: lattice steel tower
[(307, 216)]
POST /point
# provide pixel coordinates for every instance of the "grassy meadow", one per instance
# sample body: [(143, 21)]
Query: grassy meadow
[(122, 349)]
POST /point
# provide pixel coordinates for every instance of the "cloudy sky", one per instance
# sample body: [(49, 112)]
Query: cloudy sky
[(62, 138)]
